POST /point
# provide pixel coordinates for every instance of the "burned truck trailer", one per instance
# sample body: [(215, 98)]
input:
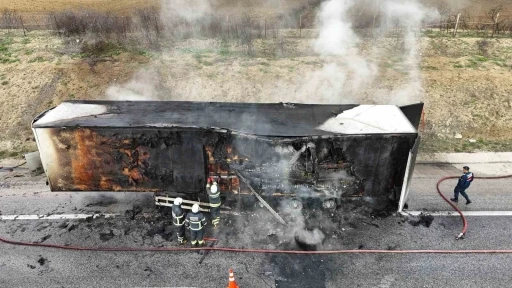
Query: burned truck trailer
[(296, 151)]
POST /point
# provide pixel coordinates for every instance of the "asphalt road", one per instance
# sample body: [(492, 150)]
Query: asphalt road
[(44, 267), (486, 195)]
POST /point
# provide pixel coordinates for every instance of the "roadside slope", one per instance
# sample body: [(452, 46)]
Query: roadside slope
[(467, 94)]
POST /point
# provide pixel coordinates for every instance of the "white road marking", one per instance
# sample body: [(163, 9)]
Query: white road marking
[(72, 216), (54, 216), (455, 213)]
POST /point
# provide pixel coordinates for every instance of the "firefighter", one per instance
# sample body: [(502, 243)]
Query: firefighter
[(178, 219), (214, 196), (463, 184), (195, 221)]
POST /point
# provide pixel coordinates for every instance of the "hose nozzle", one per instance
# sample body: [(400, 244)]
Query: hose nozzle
[(461, 236)]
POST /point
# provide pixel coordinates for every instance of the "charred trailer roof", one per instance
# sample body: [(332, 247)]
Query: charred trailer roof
[(175, 146)]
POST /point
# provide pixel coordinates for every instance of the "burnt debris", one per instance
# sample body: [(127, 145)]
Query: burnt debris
[(132, 213), (309, 240), (106, 236), (72, 227), (41, 260), (424, 220), (44, 238)]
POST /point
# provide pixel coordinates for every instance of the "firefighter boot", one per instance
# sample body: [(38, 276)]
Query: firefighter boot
[(200, 244)]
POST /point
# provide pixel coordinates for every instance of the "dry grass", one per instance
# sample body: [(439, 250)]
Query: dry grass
[(257, 7), (43, 74), (465, 91), (261, 7), (119, 6), (37, 68)]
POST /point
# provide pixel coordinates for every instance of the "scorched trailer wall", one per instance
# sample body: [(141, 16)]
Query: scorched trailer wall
[(297, 150)]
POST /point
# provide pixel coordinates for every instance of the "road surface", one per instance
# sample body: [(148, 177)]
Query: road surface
[(44, 267)]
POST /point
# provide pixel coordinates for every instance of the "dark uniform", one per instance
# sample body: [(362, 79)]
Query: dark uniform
[(463, 184), (196, 222), (178, 219), (214, 206)]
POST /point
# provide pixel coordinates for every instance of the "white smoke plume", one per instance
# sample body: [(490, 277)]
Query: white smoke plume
[(142, 86), (336, 35), (336, 38), (146, 83), (190, 10), (409, 15), (347, 74)]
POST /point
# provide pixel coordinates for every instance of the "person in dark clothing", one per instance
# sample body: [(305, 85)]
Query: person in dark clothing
[(178, 219), (195, 221), (463, 184), (214, 197)]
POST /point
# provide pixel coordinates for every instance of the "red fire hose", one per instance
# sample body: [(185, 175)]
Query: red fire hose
[(242, 250), (264, 251), (464, 221)]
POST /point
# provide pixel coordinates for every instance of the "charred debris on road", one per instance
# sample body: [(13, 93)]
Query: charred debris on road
[(309, 229)]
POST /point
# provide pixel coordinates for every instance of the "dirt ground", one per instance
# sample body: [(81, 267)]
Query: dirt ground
[(467, 87)]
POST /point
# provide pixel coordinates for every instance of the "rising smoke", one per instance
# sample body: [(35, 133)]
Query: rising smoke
[(337, 42), (143, 86), (190, 10), (409, 15), (347, 74), (146, 84)]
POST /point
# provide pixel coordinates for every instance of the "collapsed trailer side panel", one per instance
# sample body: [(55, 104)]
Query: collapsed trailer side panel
[(180, 159), (122, 159)]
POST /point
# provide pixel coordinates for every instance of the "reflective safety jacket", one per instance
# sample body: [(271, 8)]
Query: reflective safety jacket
[(465, 180), (214, 196), (195, 221), (178, 216)]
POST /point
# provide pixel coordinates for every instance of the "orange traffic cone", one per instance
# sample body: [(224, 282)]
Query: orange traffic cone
[(232, 282)]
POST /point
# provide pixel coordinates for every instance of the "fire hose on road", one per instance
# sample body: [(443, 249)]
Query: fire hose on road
[(464, 221), (266, 251)]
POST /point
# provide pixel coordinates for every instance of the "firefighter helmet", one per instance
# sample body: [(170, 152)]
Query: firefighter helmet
[(178, 201), (195, 208), (214, 187)]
